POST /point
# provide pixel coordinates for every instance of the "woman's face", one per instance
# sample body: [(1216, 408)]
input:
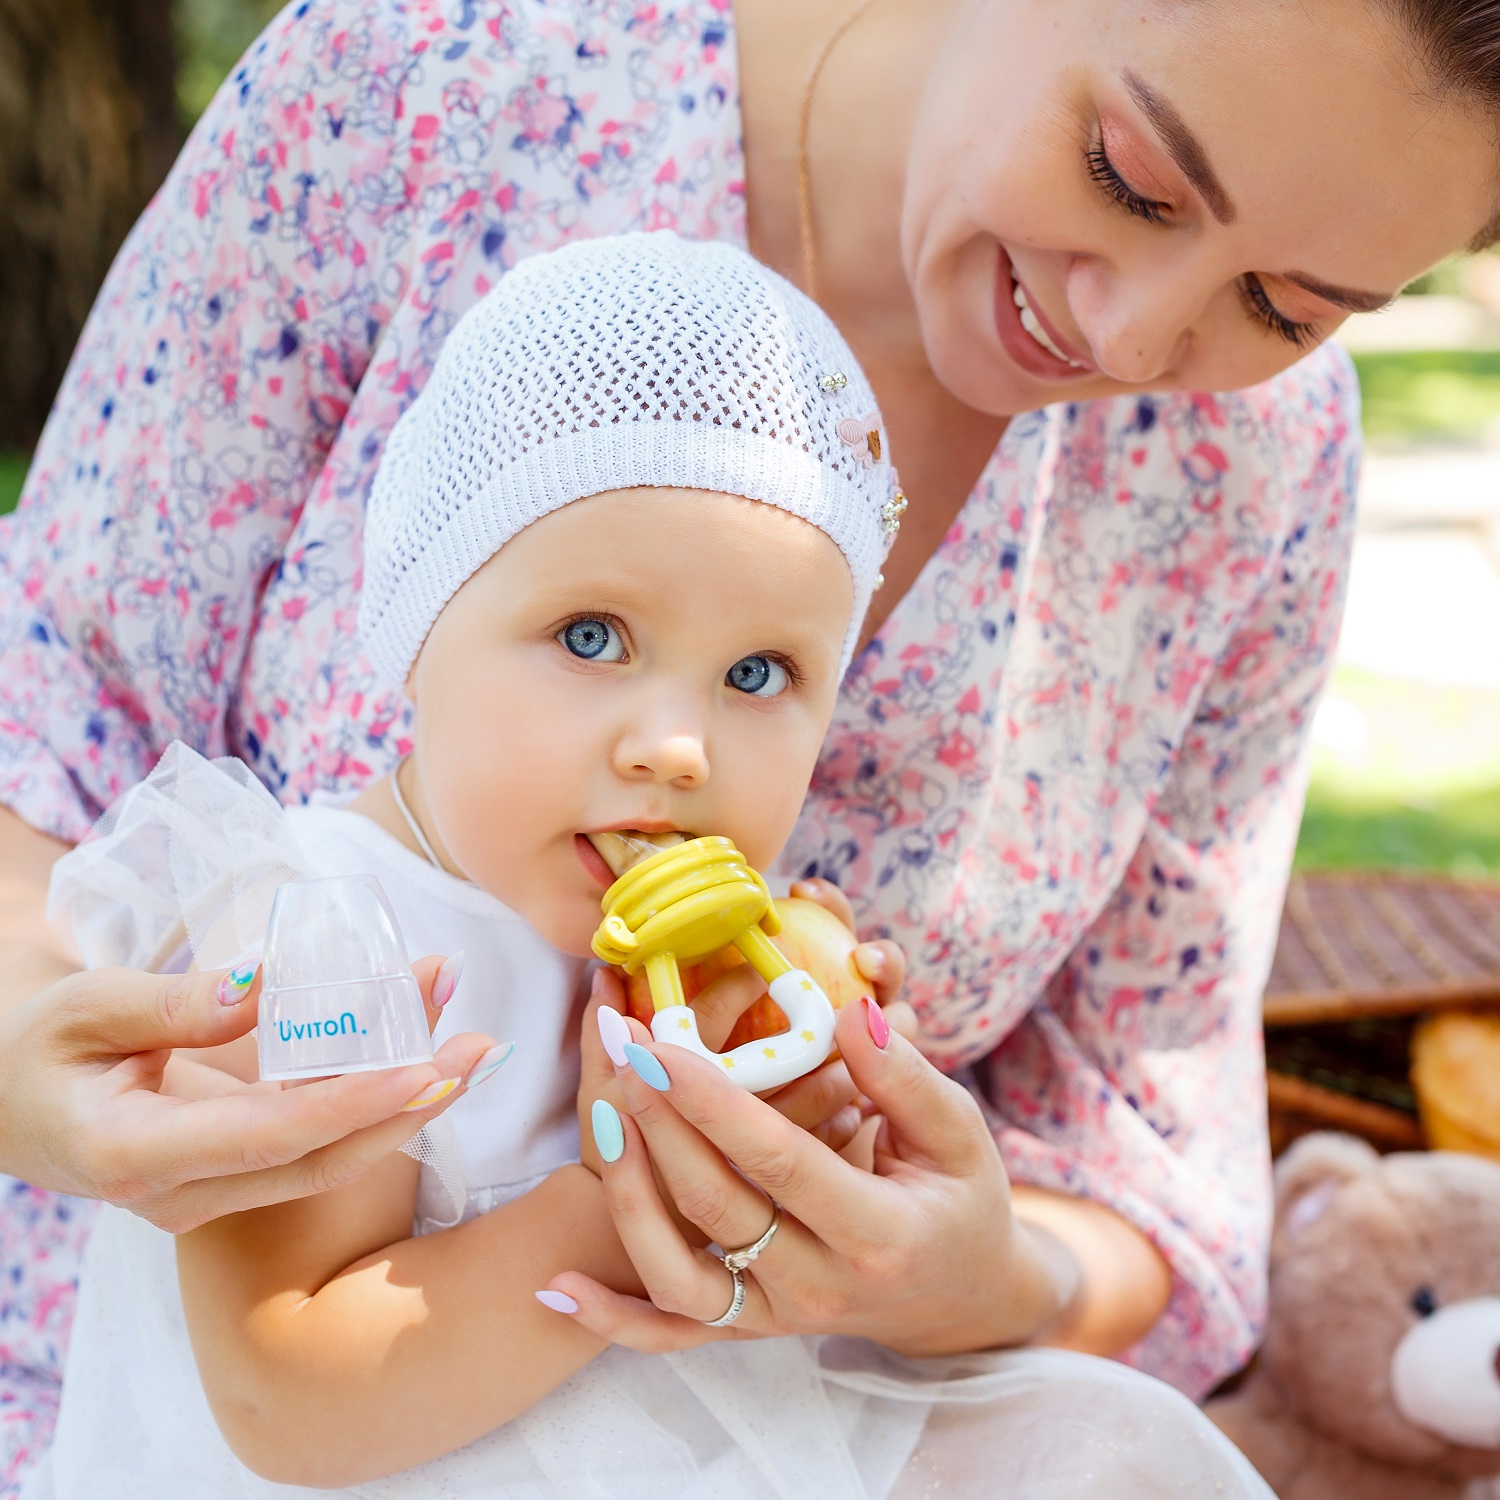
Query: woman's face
[(1172, 194)]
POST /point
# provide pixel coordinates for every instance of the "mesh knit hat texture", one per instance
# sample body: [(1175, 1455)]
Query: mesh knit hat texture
[(615, 363)]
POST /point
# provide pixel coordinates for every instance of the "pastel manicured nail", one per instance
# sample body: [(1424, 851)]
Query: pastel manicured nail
[(235, 985), (557, 1301), (614, 1033), (447, 979), (871, 959), (880, 1028), (596, 984), (647, 1068), (490, 1064), (609, 1134), (431, 1094)]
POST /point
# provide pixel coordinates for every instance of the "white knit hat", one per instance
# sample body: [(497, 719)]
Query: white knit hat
[(611, 364)]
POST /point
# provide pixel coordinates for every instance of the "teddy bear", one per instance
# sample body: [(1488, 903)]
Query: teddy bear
[(1379, 1378)]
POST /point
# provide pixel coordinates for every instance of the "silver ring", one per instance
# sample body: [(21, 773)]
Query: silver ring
[(737, 1260), (736, 1303)]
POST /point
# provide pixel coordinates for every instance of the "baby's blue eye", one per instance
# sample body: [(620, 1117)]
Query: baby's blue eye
[(593, 640), (758, 675)]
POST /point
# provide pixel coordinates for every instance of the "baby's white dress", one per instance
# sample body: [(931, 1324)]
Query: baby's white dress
[(836, 1419)]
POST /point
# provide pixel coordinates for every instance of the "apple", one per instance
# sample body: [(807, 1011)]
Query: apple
[(811, 937)]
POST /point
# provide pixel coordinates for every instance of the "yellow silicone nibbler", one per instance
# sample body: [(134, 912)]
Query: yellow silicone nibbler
[(686, 902)]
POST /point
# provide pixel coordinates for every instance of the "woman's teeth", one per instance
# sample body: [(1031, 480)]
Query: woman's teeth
[(1033, 325)]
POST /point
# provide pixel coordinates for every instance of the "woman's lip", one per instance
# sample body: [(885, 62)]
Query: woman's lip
[(1019, 344), (592, 861)]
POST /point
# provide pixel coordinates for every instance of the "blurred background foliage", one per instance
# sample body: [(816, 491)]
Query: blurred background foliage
[(1406, 770), (210, 36)]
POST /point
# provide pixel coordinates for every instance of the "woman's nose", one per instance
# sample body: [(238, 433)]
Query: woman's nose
[(1135, 325)]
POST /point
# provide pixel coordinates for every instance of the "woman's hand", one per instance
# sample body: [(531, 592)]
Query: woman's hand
[(924, 1255), (90, 1105)]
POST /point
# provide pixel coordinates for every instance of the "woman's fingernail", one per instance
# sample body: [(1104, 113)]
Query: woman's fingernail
[(557, 1301), (596, 984), (447, 979), (609, 1134), (871, 960), (431, 1094), (614, 1033), (647, 1068), (235, 985), (490, 1064), (880, 1028)]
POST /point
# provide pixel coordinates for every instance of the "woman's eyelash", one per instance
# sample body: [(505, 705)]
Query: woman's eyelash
[(1298, 335), (1102, 170)]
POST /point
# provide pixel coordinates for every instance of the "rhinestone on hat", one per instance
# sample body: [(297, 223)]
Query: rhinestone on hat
[(831, 385), (891, 513)]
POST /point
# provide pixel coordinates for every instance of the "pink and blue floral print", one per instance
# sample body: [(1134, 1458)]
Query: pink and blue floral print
[(1067, 773)]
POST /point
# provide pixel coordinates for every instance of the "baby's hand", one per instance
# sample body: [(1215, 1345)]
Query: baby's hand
[(824, 1102)]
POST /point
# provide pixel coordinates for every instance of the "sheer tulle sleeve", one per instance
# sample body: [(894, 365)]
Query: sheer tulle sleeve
[(1138, 1080)]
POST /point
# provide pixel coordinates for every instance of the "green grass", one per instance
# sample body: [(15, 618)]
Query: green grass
[(12, 472), (1457, 834), (1447, 395), (1419, 788)]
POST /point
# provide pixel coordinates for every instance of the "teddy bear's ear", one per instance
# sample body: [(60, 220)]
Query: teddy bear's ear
[(1310, 1176)]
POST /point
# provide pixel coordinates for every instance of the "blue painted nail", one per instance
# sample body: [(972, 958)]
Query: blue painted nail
[(490, 1064), (647, 1068), (609, 1134)]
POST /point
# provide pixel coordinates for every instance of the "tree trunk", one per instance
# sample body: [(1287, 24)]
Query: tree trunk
[(88, 128)]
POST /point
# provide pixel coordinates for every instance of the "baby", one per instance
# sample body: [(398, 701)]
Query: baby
[(618, 551)]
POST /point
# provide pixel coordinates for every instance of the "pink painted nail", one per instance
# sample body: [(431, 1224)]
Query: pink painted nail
[(557, 1301), (614, 1033), (235, 985), (447, 979), (880, 1028)]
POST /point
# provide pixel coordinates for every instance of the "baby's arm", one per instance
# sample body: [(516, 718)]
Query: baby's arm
[(334, 1348)]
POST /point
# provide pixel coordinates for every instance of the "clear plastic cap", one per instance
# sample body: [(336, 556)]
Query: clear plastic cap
[(337, 992)]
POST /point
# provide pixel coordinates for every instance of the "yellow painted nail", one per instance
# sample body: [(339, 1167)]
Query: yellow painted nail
[(431, 1094)]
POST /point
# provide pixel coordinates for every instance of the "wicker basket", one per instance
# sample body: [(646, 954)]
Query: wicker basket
[(1360, 956)]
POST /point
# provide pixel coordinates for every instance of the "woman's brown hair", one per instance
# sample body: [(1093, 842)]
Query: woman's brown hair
[(1460, 42)]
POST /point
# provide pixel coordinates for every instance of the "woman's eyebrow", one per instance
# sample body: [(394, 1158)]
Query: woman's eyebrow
[(1182, 146), (1187, 151), (1341, 296)]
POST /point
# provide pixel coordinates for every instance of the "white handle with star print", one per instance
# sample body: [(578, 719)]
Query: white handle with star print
[(772, 1061)]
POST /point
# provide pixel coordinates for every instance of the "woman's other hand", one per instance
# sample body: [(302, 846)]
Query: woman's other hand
[(923, 1255)]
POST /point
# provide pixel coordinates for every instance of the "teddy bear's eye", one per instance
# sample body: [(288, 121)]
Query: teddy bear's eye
[(1424, 1302)]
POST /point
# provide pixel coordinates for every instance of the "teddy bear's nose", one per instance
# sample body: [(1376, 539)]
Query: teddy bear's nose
[(1445, 1374)]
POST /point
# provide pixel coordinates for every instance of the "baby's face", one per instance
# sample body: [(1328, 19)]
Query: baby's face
[(646, 659)]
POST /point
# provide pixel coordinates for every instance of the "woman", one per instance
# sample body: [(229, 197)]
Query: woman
[(1066, 776)]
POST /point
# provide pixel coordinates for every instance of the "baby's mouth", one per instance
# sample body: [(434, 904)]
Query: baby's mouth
[(622, 849)]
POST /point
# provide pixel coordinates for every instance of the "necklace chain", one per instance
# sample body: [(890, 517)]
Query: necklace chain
[(804, 171), (411, 822)]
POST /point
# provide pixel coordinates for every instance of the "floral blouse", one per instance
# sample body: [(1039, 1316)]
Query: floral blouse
[(1067, 773)]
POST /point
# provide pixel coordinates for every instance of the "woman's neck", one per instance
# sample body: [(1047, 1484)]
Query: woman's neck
[(863, 113)]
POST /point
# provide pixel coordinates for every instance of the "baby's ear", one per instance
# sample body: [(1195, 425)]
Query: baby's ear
[(1310, 1176)]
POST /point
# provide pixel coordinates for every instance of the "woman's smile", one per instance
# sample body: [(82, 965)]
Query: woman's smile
[(1026, 334)]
